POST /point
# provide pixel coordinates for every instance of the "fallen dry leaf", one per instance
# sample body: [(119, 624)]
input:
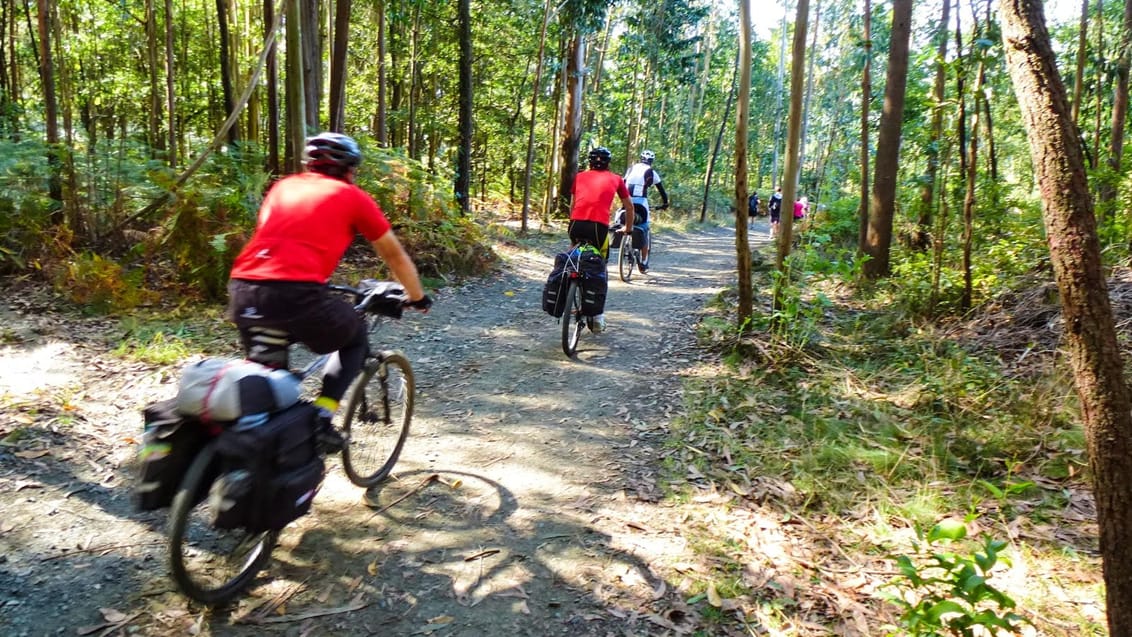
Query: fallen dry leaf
[(113, 616), (442, 619), (713, 597), (32, 454)]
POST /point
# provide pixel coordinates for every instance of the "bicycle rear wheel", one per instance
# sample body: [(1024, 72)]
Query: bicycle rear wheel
[(572, 319), (377, 418), (625, 259), (210, 565)]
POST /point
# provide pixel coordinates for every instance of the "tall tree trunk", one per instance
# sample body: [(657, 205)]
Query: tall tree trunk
[(1099, 90), (780, 89), (924, 222), (554, 158), (1090, 334), (1082, 54), (51, 110), (572, 130), (597, 64), (312, 63), (719, 141), (396, 85), (154, 108), (971, 177), (464, 154), (1119, 110), (866, 100), (414, 75), (534, 117), (170, 85), (273, 167), (381, 125), (295, 91), (793, 138), (338, 65), (226, 65), (809, 92), (742, 114), (883, 206)]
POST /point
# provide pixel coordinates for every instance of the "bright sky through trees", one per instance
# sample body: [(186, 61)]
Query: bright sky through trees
[(767, 14)]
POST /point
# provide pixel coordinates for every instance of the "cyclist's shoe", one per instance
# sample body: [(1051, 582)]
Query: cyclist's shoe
[(643, 268), (597, 323), (327, 438)]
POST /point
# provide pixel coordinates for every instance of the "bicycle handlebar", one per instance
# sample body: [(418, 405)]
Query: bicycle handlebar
[(386, 298)]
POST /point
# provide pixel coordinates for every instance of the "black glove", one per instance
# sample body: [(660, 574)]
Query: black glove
[(422, 304)]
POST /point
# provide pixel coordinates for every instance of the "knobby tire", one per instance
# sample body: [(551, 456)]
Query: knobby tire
[(377, 418), (200, 555), (625, 258), (572, 319)]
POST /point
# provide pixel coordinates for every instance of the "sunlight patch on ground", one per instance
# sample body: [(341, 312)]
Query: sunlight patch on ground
[(26, 370)]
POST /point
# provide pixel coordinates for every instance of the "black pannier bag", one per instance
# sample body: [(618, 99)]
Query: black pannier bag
[(594, 283), (270, 470), (170, 442), (554, 291)]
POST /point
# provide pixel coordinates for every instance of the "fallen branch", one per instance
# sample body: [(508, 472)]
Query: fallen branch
[(97, 549), (358, 604), (424, 483)]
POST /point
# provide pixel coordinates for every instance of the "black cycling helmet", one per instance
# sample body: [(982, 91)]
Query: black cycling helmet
[(647, 156), (599, 158), (331, 153)]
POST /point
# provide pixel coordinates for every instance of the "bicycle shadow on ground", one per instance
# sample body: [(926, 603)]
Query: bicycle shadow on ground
[(457, 551)]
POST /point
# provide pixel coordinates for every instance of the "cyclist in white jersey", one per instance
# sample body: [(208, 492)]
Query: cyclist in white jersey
[(639, 177)]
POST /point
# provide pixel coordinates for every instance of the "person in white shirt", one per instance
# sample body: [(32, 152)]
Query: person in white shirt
[(639, 178)]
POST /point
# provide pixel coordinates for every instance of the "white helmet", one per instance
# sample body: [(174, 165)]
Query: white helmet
[(647, 156)]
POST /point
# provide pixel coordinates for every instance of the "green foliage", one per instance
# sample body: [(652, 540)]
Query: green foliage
[(421, 208), (100, 284), (26, 235), (942, 592)]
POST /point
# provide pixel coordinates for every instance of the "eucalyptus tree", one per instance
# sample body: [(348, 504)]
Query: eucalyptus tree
[(1119, 105), (46, 11), (225, 65), (793, 138), (464, 153), (928, 184), (866, 100), (1090, 334), (1082, 54), (579, 18), (742, 110), (882, 208), (341, 39)]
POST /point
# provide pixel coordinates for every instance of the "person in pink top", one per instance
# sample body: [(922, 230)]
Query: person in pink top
[(277, 286)]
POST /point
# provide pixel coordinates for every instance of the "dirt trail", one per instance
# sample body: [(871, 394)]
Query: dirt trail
[(524, 502)]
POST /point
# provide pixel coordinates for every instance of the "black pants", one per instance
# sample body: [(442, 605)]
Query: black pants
[(273, 314)]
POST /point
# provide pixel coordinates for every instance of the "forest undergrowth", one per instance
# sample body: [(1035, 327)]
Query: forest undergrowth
[(891, 452)]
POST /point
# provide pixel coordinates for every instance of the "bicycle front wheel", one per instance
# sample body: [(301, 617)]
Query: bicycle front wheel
[(210, 565), (377, 418), (572, 319), (625, 259)]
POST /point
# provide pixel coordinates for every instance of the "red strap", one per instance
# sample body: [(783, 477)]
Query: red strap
[(205, 417)]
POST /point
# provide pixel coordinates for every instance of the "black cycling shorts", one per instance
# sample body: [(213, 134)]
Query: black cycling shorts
[(592, 232), (308, 312)]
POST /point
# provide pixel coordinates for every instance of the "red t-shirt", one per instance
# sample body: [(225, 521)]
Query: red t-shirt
[(305, 224), (593, 194)]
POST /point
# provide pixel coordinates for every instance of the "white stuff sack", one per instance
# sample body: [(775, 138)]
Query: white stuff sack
[(217, 389)]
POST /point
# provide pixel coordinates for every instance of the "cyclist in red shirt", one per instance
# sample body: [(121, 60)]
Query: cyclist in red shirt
[(277, 286), (593, 194), (594, 190)]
